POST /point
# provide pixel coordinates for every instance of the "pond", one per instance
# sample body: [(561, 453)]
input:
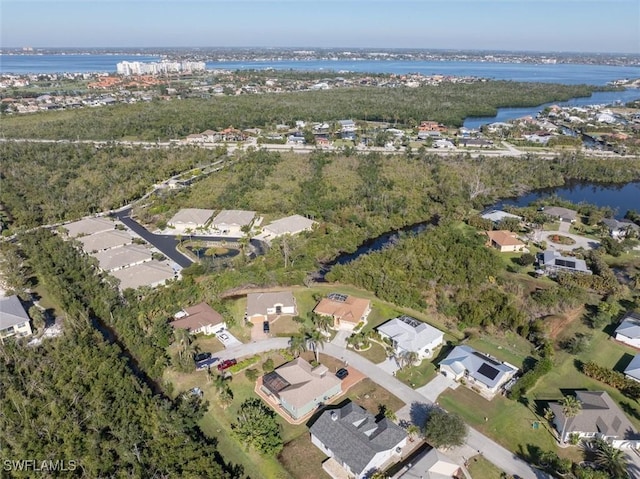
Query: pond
[(212, 252)]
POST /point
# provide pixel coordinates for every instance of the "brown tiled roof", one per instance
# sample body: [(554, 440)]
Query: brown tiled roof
[(199, 315), (504, 238), (351, 310)]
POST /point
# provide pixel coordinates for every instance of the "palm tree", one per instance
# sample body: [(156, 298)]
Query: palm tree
[(612, 459), (407, 358), (571, 407), (297, 344), (322, 322), (315, 339), (183, 338)]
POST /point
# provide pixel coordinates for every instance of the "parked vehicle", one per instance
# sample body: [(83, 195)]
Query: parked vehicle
[(201, 357), (265, 327), (342, 373), (226, 364)]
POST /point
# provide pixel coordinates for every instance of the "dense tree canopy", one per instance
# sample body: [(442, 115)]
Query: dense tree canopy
[(447, 103), (443, 429)]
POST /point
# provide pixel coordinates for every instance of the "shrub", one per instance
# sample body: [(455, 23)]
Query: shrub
[(245, 363), (267, 366)]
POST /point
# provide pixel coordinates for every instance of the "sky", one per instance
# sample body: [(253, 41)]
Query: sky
[(608, 26)]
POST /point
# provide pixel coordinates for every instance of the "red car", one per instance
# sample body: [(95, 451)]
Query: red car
[(226, 364)]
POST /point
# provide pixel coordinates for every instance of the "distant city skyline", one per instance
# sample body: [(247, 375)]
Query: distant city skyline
[(596, 26)]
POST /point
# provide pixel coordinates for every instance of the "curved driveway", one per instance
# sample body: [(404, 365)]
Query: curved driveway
[(580, 241), (491, 450)]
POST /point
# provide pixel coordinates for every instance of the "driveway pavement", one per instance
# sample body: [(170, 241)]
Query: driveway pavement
[(417, 405), (228, 339), (389, 365), (580, 241), (437, 386), (340, 339)]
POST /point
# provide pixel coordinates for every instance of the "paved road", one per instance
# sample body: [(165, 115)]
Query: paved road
[(417, 403)]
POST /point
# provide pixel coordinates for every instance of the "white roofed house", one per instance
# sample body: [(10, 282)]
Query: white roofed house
[(407, 334), (628, 331), (231, 222), (190, 219), (270, 305), (14, 320), (482, 372), (496, 216), (290, 225), (632, 371)]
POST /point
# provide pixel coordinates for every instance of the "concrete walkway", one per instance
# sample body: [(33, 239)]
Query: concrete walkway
[(417, 405)]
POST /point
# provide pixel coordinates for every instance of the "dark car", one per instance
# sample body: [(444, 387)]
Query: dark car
[(265, 327), (201, 357), (226, 364), (342, 373)]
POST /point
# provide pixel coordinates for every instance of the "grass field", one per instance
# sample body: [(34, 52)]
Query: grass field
[(480, 468), (508, 422), (417, 376), (376, 353)]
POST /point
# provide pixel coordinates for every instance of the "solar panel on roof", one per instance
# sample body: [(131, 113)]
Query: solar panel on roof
[(565, 263), (486, 358), (488, 371), (341, 298), (410, 321)]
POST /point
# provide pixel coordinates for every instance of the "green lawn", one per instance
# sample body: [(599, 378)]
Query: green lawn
[(370, 396), (417, 376), (508, 422), (46, 301), (480, 468), (376, 353), (311, 466)]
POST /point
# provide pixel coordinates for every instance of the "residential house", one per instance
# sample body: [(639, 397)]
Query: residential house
[(355, 443), (270, 305), (408, 335), (190, 219), (290, 225), (14, 320), (632, 371), (443, 143), (432, 465), (200, 318), (480, 370), (151, 273), (476, 143), (128, 255), (431, 126), (553, 262), (563, 214), (347, 126), (298, 388), (620, 229), (105, 240), (231, 222), (628, 331), (347, 311), (504, 241), (599, 417), (496, 216), (89, 226)]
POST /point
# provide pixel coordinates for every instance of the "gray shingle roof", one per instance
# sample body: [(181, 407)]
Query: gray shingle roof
[(11, 312), (629, 326), (479, 366), (599, 414), (353, 435)]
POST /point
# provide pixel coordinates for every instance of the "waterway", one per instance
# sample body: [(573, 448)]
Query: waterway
[(597, 98), (619, 197), (529, 72)]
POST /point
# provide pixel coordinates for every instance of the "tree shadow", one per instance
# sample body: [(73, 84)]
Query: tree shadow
[(419, 413), (630, 410)]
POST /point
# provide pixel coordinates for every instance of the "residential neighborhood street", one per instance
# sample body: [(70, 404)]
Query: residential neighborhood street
[(416, 407)]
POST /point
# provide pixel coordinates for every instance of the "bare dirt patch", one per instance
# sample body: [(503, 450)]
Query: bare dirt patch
[(558, 323)]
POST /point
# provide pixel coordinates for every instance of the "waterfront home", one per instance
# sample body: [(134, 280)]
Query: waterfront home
[(599, 417), (347, 311), (408, 335), (298, 388), (563, 214), (496, 216), (357, 444), (620, 229), (481, 372), (290, 225)]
